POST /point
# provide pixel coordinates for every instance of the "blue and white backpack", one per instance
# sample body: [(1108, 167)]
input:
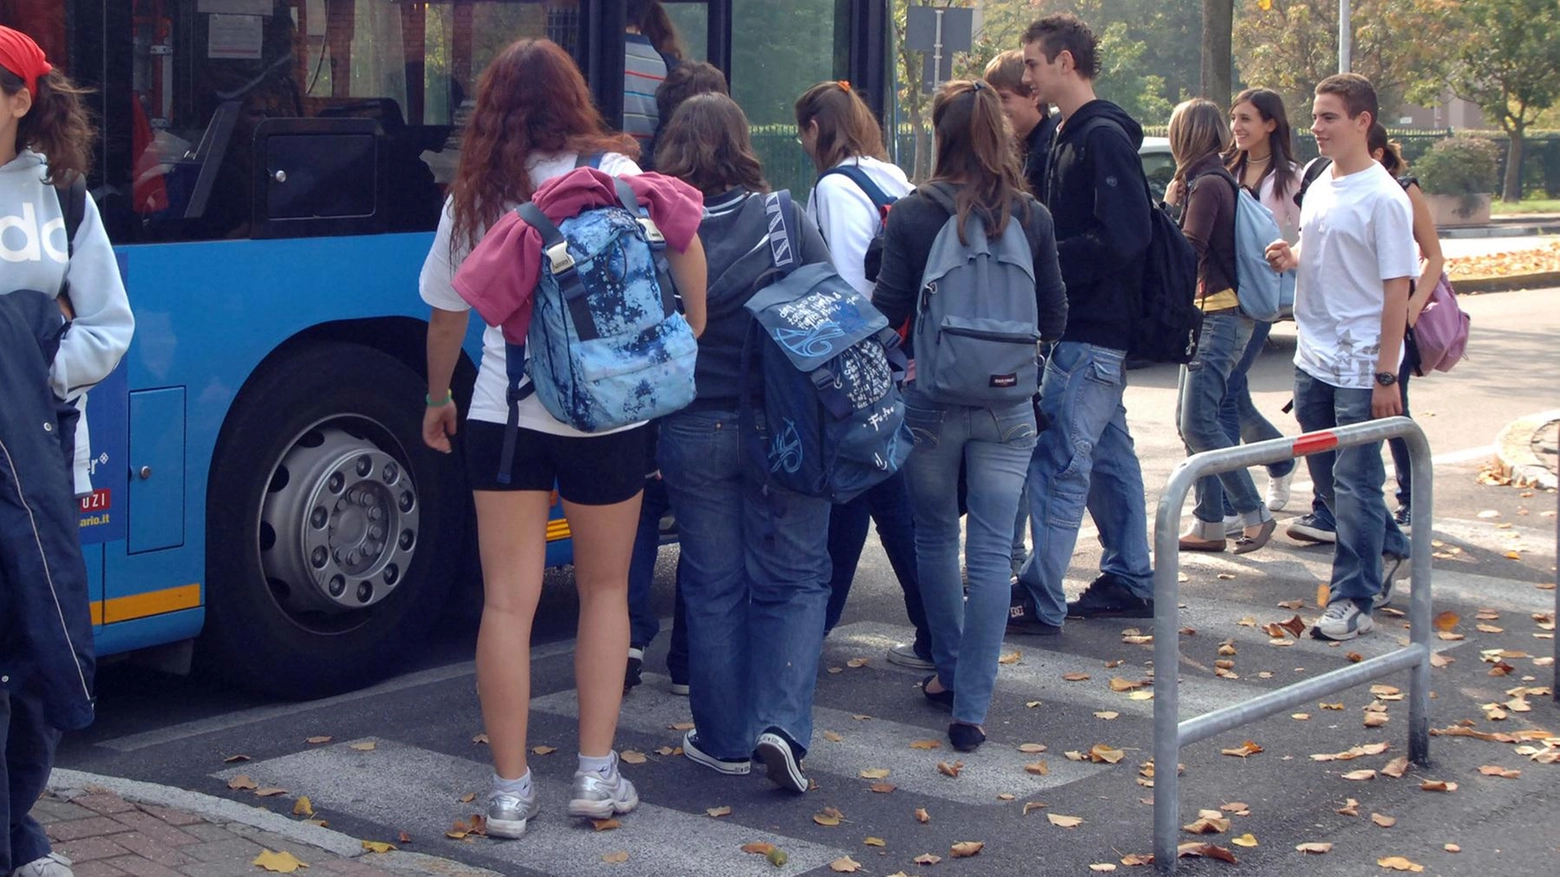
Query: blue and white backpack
[(608, 344), (833, 418), (1264, 294)]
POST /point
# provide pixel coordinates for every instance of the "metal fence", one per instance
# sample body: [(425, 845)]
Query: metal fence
[(1170, 731)]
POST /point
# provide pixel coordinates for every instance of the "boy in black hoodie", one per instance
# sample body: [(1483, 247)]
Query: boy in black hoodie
[(1085, 458)]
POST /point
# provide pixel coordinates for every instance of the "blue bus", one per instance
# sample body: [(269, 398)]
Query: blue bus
[(270, 172)]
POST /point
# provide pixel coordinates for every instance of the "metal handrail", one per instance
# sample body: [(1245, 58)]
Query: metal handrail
[(1170, 731)]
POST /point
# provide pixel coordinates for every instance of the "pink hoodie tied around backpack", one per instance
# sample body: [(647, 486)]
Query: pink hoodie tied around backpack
[(499, 276)]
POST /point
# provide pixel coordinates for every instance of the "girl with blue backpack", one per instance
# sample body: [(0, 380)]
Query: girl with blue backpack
[(849, 204), (534, 121), (755, 566), (969, 259), (1198, 137)]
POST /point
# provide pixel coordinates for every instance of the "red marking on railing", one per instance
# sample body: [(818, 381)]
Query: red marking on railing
[(1314, 442)]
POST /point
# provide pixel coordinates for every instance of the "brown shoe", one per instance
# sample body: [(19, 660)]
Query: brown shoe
[(1192, 542)]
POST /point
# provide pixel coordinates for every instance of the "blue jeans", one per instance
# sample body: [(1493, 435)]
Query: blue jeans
[(642, 621), (888, 504), (26, 756), (994, 445), (756, 584), (1399, 448), (1204, 385), (1366, 530), (1085, 460), (1239, 416)]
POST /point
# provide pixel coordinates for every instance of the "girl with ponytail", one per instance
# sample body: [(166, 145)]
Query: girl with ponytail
[(976, 175), (46, 677)]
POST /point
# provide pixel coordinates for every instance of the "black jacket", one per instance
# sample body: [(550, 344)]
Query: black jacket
[(45, 622), (1037, 154), (1098, 198)]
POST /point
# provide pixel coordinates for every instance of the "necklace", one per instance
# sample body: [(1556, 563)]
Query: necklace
[(1263, 160)]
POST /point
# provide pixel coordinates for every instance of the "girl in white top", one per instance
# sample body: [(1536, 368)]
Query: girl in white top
[(838, 130), (1262, 159), (533, 119)]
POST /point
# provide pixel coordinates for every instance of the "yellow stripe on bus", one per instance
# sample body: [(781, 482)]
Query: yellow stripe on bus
[(557, 529), (144, 605)]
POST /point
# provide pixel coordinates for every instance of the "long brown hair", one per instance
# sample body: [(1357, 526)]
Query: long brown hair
[(846, 126), (57, 127), (1197, 130), (973, 149), (656, 26), (1391, 153), (531, 98), (1269, 105), (706, 145)]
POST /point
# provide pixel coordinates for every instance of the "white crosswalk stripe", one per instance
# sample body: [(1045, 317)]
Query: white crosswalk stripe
[(420, 790)]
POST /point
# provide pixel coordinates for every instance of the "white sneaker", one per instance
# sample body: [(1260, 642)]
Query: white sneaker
[(507, 815), (600, 797), (735, 767), (52, 865), (1342, 620), (1278, 491), (904, 655)]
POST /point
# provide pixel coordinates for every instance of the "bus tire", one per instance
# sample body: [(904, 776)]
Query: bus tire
[(333, 533)]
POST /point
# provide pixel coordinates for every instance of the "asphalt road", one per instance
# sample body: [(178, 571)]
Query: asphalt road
[(1497, 547)]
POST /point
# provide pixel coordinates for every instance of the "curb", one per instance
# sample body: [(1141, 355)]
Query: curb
[(1514, 449), (1511, 283), (64, 782)]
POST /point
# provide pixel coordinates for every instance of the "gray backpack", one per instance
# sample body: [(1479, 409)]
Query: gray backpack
[(976, 319)]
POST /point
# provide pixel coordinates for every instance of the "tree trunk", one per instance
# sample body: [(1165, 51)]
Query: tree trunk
[(1511, 189), (1218, 22)]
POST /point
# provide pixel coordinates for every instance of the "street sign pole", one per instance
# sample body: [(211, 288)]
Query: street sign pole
[(1345, 36)]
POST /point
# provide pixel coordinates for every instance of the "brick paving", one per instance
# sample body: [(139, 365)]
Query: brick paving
[(105, 835)]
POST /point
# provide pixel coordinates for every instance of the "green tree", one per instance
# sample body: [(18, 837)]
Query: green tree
[(1509, 64)]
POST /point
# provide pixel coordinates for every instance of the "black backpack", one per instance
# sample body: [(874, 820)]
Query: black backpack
[(1315, 169), (73, 206), (1166, 322)]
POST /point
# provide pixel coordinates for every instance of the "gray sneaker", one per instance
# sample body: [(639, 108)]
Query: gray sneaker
[(598, 797), (1342, 620), (508, 814), (1394, 569), (904, 655), (52, 865)]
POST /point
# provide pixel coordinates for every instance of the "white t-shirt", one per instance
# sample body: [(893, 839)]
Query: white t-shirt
[(847, 219), (489, 399), (1356, 231)]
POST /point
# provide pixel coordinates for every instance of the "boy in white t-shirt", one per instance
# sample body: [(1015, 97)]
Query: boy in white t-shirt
[(1355, 258)]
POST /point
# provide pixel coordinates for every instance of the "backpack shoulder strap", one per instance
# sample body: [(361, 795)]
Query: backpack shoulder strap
[(942, 195), (1310, 175), (782, 230), (589, 159), (73, 206), (864, 182)]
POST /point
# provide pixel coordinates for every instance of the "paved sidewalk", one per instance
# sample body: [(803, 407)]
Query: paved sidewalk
[(109, 834)]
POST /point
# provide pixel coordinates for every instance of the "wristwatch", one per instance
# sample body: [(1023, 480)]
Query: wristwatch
[(1386, 379)]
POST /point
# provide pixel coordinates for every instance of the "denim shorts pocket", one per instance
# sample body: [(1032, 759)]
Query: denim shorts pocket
[(925, 424)]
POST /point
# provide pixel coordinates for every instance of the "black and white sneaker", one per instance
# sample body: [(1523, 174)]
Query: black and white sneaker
[(779, 758), (634, 674), (1310, 528), (733, 767), (1343, 620)]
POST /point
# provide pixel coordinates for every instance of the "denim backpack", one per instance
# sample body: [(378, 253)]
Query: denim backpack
[(1264, 294), (833, 418), (608, 345), (976, 320), (872, 259)]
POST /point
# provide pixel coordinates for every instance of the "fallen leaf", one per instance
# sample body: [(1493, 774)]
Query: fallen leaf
[(1010, 658), (631, 756), (1438, 786), (1376, 720), (404, 838), (1300, 717), (680, 726), (1118, 684), (1111, 665), (1075, 677), (377, 846), (1292, 604), (480, 739), (1246, 840), (616, 858), (1038, 768), (543, 750), (1491, 770), (1331, 706), (1350, 807), (1137, 639), (882, 788), (1445, 620), (950, 770), (468, 797), (1237, 807), (833, 736), (1323, 595), (1395, 767), (303, 806), (318, 740), (1360, 775), (1314, 849), (1439, 660), (1031, 748), (858, 663), (1074, 755), (1134, 859), (845, 865), (1227, 649), (1383, 821), (1141, 695), (1103, 753), (1512, 555), (922, 816), (281, 863), (928, 859), (1353, 657), (1451, 848), (1006, 796), (1030, 806), (758, 848), (1244, 750), (1102, 867), (875, 842), (718, 812), (1206, 850), (862, 717), (1064, 821), (926, 744), (966, 848), (1398, 863), (605, 824), (829, 818), (1107, 715), (1449, 636), (875, 773), (1295, 626), (242, 782), (1208, 825), (270, 792), (234, 759)]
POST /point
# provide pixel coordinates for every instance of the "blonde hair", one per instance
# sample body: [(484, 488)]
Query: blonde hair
[(1006, 71), (1197, 130)]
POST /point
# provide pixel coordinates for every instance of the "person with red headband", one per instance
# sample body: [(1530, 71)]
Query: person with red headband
[(53, 248)]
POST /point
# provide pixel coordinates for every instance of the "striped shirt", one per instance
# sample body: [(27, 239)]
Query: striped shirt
[(643, 72)]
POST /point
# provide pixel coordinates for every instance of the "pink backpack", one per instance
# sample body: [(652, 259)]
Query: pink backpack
[(1442, 330)]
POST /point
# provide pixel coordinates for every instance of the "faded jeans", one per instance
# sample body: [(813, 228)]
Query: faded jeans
[(1203, 388)]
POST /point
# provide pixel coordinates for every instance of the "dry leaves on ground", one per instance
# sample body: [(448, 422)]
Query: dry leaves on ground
[(605, 824), (1061, 821), (950, 770), (1244, 750), (1246, 840), (280, 863), (317, 740), (966, 848), (928, 859), (875, 773), (1031, 748), (845, 865), (616, 858), (1438, 786), (631, 756), (1396, 767), (1491, 770), (882, 788), (1398, 863), (717, 812), (303, 806), (1038, 768), (926, 744), (1314, 848), (922, 816), (377, 846), (1382, 820), (1103, 753), (1205, 850)]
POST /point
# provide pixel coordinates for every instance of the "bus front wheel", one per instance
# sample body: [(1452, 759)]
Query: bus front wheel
[(333, 533)]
